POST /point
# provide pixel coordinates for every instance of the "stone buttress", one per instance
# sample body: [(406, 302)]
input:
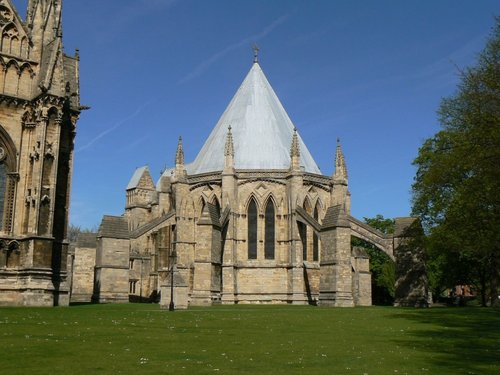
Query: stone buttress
[(39, 109)]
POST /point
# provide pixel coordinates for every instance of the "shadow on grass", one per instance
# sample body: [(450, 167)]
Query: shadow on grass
[(463, 340), (81, 303)]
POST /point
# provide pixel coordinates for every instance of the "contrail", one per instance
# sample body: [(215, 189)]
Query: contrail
[(211, 60), (114, 127)]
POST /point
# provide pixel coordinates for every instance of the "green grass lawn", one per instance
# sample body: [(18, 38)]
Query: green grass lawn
[(243, 339)]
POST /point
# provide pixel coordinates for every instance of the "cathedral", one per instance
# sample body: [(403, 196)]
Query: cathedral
[(251, 220), (39, 108)]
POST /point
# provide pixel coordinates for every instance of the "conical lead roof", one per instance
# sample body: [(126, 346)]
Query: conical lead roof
[(261, 129)]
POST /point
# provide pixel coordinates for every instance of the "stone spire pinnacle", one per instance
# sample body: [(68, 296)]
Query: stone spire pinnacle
[(256, 50), (295, 152), (179, 155), (295, 148), (340, 174), (229, 147), (229, 152)]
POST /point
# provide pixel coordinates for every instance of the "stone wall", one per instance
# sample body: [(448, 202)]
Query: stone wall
[(112, 270), (83, 274), (361, 280), (412, 289), (38, 118)]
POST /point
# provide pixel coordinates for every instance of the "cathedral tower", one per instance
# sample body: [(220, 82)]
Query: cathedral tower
[(39, 108)]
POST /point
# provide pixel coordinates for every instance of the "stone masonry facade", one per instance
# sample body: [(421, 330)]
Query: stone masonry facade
[(227, 233), (39, 108)]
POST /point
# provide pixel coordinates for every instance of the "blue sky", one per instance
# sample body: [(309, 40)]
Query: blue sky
[(369, 72)]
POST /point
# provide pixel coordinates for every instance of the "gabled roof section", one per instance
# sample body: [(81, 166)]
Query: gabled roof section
[(210, 215), (88, 240), (261, 129), (403, 226), (335, 217), (113, 227), (141, 179), (13, 17)]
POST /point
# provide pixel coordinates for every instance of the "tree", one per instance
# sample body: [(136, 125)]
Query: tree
[(75, 230), (456, 190), (382, 267)]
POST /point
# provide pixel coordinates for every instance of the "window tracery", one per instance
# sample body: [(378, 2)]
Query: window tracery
[(269, 224), (252, 217), (315, 237), (304, 232), (6, 15), (8, 180)]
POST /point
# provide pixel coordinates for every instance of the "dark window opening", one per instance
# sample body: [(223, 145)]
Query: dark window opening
[(303, 238), (252, 230), (315, 239), (270, 231)]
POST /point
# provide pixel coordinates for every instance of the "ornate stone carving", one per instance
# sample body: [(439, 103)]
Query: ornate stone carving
[(5, 15), (49, 152), (30, 199), (34, 155), (261, 179), (11, 32), (29, 119), (11, 101)]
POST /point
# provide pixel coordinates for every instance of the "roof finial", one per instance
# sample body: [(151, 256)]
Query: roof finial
[(229, 147), (295, 152), (340, 173), (256, 50), (179, 155), (295, 148)]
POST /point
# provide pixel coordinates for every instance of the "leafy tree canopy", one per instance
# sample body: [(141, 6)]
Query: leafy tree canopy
[(456, 190)]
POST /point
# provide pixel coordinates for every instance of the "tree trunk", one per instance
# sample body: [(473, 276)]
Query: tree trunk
[(494, 282), (484, 299)]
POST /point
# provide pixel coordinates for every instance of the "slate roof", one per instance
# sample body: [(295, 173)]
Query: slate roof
[(402, 224), (262, 132), (86, 240), (335, 217), (210, 215), (114, 227), (136, 177)]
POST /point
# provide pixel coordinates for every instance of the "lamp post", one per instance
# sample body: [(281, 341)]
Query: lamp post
[(140, 290), (173, 258)]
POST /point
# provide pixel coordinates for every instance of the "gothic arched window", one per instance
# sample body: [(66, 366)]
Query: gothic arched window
[(215, 202), (252, 229), (269, 231), (202, 205), (3, 189), (7, 181), (304, 233), (315, 238), (303, 238)]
